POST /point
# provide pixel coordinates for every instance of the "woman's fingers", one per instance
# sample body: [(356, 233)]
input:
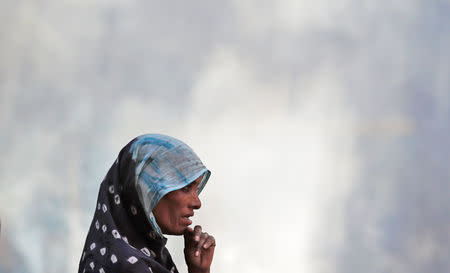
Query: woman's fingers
[(201, 242), (210, 241), (197, 233), (199, 249)]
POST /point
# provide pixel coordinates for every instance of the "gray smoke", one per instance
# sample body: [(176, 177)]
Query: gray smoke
[(325, 126)]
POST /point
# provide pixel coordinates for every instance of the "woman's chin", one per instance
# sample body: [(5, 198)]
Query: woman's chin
[(176, 231)]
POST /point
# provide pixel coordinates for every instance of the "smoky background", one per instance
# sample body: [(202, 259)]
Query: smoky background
[(325, 125)]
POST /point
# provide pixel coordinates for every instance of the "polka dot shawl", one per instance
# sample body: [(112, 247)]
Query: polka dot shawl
[(124, 235)]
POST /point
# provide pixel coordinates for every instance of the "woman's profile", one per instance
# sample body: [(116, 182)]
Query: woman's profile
[(151, 189)]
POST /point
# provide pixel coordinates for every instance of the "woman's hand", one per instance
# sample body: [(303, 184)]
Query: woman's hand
[(198, 250)]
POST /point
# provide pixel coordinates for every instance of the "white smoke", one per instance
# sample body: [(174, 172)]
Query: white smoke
[(313, 117)]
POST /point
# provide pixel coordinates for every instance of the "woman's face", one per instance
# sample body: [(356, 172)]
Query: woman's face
[(173, 210)]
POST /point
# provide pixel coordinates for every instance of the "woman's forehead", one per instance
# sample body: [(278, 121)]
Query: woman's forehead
[(198, 180)]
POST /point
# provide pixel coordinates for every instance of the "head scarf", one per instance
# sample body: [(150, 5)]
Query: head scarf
[(124, 235)]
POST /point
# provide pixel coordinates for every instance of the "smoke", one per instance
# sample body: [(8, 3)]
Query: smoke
[(325, 126)]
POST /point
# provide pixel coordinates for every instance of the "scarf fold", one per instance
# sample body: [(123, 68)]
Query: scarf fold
[(124, 235)]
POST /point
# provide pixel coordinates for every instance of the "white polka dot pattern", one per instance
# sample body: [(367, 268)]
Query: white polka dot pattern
[(103, 251), (116, 234), (133, 210), (111, 189), (145, 251), (117, 199), (113, 259), (92, 265), (132, 260), (104, 228), (101, 270), (92, 246), (104, 208), (97, 224)]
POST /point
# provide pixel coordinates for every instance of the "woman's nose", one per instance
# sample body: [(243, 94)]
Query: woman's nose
[(195, 202)]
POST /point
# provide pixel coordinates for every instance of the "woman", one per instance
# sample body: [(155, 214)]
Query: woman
[(150, 190)]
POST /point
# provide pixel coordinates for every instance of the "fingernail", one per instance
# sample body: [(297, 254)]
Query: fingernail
[(197, 253)]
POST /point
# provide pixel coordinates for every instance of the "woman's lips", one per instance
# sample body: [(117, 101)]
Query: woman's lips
[(186, 221)]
